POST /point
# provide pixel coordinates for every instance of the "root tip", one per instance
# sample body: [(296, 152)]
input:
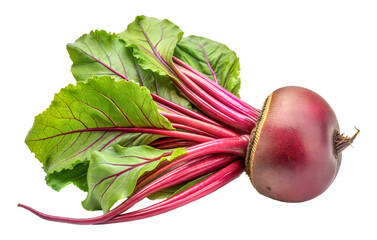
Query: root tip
[(341, 142)]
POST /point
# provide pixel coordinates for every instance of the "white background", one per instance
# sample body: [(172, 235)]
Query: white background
[(327, 46)]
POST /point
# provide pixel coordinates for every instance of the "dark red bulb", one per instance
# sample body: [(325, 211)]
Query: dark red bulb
[(293, 157)]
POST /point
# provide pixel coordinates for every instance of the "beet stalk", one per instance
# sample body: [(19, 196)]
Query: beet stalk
[(178, 175), (196, 192)]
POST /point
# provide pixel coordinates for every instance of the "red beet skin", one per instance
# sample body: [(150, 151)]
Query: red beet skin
[(293, 158)]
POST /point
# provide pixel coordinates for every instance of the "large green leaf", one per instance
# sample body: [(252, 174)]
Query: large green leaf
[(88, 117), (113, 173), (213, 59), (153, 42), (101, 53)]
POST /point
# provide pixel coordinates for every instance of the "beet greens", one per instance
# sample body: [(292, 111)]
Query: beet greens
[(153, 115)]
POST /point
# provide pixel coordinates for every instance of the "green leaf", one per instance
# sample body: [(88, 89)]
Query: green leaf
[(213, 59), (100, 53), (113, 173), (153, 42), (87, 117), (77, 176), (103, 54)]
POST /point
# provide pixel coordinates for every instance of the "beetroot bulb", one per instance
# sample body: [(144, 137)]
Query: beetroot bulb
[(164, 121), (295, 149)]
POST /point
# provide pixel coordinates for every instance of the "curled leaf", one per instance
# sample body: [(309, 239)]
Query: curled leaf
[(113, 174)]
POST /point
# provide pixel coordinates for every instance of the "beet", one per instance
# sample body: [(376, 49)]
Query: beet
[(294, 152), (180, 132)]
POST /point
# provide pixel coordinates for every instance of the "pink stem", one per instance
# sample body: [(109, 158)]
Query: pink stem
[(167, 143), (178, 161), (219, 87), (230, 145), (211, 106), (212, 129), (192, 130), (191, 194), (176, 176), (153, 175), (210, 163), (210, 110), (183, 110), (214, 91), (176, 145)]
